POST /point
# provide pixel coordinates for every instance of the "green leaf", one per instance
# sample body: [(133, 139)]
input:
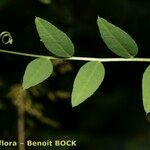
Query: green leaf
[(87, 81), (117, 40), (146, 89), (36, 72), (56, 41)]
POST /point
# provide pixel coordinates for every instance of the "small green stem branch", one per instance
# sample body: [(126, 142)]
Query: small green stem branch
[(80, 58)]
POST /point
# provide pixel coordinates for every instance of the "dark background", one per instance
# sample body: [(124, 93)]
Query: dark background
[(113, 118)]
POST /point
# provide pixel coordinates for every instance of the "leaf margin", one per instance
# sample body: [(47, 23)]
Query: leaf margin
[(146, 76)]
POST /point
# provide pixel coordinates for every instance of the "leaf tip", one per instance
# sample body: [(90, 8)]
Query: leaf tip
[(36, 19), (100, 19), (73, 104), (24, 87)]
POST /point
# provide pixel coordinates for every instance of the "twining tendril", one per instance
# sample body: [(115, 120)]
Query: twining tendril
[(6, 37)]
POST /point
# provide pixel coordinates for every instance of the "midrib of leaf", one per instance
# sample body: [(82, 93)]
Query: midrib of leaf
[(105, 26), (84, 87), (36, 73), (53, 39)]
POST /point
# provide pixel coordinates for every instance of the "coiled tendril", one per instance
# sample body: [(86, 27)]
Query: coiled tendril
[(6, 37)]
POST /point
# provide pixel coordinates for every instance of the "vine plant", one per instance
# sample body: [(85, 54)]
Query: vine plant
[(91, 74)]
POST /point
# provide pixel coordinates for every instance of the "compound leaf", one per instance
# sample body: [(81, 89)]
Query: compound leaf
[(56, 41), (36, 72), (146, 89), (117, 40), (87, 81)]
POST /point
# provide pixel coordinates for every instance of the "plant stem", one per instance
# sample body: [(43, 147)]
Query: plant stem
[(79, 58), (21, 129), (21, 121)]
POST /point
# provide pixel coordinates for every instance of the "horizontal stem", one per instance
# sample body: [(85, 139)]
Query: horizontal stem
[(80, 58)]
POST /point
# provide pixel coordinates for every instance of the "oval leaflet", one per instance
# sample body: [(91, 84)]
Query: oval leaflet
[(87, 81), (36, 72), (146, 89), (56, 41), (117, 40)]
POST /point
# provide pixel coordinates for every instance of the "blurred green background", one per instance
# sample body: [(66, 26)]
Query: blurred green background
[(113, 118)]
